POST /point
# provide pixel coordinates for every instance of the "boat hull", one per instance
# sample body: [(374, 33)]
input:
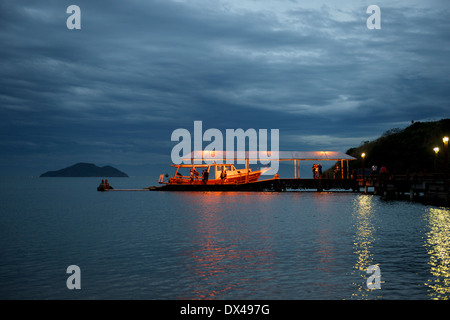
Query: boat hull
[(207, 187), (232, 180)]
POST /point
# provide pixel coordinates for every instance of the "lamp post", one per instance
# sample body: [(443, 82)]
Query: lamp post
[(436, 151), (363, 155), (445, 140)]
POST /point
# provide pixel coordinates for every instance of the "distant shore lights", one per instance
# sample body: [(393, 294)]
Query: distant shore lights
[(214, 152)]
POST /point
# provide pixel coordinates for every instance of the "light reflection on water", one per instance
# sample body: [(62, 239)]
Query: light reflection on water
[(213, 245), (364, 238), (438, 247), (217, 261), (286, 246), (296, 246)]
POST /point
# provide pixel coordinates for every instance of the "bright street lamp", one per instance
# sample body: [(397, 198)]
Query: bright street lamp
[(436, 151), (445, 140), (363, 155)]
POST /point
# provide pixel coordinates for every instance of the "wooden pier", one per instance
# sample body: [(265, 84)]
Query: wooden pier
[(431, 189), (274, 185), (427, 189)]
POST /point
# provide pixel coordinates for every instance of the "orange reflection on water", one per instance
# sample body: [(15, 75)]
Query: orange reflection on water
[(212, 198), (325, 251), (219, 257)]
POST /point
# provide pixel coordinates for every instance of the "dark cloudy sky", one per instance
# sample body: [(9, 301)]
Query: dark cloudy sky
[(113, 92)]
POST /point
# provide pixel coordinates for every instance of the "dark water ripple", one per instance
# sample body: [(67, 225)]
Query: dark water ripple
[(145, 245)]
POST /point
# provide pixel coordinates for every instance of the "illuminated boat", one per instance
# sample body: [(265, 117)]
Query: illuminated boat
[(211, 174)]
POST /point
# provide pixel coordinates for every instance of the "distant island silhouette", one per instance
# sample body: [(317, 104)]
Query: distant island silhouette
[(85, 170)]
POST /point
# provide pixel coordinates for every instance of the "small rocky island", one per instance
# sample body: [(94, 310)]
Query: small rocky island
[(85, 170)]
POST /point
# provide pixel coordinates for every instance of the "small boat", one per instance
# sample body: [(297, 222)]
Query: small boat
[(104, 186), (211, 174)]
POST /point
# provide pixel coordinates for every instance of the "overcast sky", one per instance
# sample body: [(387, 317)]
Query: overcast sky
[(115, 90)]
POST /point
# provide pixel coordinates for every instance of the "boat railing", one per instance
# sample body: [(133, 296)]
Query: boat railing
[(185, 177)]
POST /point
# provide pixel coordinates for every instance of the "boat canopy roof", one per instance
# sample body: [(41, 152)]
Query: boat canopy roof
[(267, 156)]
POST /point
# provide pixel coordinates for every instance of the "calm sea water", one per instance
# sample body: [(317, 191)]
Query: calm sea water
[(185, 245)]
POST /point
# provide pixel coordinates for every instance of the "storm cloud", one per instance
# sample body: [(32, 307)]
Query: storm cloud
[(113, 91)]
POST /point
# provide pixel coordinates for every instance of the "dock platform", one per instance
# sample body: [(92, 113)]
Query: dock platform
[(431, 188), (274, 185), (426, 189)]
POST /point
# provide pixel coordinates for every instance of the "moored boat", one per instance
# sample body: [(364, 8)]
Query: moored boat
[(211, 174), (104, 186)]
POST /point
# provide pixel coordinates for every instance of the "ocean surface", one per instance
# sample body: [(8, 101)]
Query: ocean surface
[(216, 245)]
